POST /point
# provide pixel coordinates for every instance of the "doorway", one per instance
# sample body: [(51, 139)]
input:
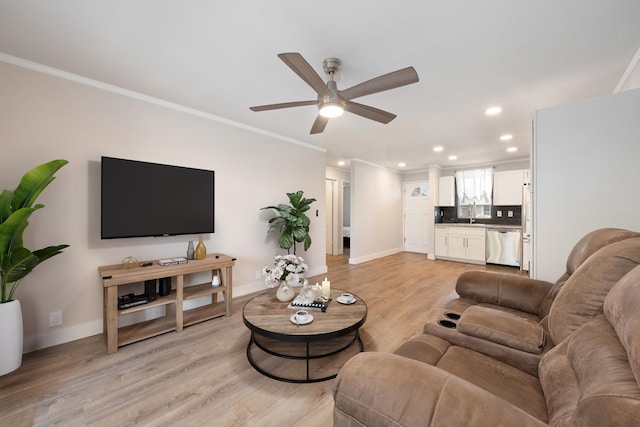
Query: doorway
[(416, 216), (346, 217), (329, 217)]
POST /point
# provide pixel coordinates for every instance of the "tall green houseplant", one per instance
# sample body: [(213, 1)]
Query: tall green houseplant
[(16, 261), (292, 222)]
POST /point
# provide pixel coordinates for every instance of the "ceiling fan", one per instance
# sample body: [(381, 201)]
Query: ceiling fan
[(332, 102)]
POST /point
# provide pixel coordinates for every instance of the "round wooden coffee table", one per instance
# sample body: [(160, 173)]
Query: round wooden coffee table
[(327, 337)]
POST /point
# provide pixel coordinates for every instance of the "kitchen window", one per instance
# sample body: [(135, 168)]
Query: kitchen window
[(474, 191)]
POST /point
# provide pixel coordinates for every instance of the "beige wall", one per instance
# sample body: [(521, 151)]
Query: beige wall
[(43, 117), (376, 212), (598, 139)]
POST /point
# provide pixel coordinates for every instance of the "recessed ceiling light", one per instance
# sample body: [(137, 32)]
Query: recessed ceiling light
[(341, 163), (506, 137), (402, 164), (438, 148), (512, 149), (492, 111), (453, 157)]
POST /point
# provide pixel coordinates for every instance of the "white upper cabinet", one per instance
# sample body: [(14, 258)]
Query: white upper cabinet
[(446, 191), (507, 188)]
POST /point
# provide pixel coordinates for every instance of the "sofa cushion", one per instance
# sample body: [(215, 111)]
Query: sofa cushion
[(424, 348), (387, 390), (587, 379), (582, 250), (503, 328), (523, 360), (505, 381), (510, 384), (592, 242), (622, 308), (582, 297)]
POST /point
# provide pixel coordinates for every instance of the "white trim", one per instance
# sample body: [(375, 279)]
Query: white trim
[(374, 165), (488, 164), (371, 257), (630, 69), (62, 335), (146, 98)]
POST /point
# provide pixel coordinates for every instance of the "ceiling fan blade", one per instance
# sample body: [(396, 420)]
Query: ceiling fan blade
[(283, 105), (319, 124), (301, 67), (379, 84), (369, 112)]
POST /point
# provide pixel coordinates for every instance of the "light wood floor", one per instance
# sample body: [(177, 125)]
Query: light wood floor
[(201, 377)]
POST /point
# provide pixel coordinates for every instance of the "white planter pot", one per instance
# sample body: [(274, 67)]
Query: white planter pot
[(10, 336)]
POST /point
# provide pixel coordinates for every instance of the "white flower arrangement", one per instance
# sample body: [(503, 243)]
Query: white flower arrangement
[(288, 268)]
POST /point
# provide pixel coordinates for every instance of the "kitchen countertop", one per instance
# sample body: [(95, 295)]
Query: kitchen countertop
[(466, 224)]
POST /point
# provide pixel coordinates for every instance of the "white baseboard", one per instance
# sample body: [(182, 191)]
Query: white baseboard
[(61, 335), (373, 256)]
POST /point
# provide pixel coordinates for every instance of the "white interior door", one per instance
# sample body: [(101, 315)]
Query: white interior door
[(329, 191), (416, 217)]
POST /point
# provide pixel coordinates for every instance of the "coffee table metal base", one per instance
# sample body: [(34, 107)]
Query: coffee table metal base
[(300, 351)]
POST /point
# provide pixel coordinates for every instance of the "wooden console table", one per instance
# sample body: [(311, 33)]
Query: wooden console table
[(114, 276)]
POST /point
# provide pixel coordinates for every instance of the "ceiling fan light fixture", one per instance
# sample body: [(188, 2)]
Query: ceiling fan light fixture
[(331, 109), (493, 111)]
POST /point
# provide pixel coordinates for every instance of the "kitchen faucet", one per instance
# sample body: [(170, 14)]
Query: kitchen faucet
[(472, 209)]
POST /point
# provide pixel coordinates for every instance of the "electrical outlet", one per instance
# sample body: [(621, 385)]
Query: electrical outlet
[(510, 214), (499, 214), (258, 274), (55, 318)]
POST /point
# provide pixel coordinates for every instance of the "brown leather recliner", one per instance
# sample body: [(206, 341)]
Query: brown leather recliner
[(505, 316), (590, 378)]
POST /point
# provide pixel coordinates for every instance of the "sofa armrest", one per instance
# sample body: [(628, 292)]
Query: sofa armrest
[(383, 389), (502, 327), (506, 290)]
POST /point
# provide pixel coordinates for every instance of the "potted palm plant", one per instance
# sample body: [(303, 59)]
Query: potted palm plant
[(292, 222), (16, 261)]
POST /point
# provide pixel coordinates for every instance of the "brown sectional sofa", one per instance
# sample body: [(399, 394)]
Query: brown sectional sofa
[(586, 373), (507, 316)]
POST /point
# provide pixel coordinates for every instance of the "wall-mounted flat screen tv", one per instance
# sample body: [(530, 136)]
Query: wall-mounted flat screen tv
[(149, 199)]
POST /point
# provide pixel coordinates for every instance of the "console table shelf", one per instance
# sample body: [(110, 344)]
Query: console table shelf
[(143, 330), (176, 318), (169, 299)]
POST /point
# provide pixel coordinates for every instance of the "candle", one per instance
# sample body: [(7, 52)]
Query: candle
[(326, 288)]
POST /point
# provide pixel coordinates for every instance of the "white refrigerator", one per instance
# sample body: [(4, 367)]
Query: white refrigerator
[(525, 265)]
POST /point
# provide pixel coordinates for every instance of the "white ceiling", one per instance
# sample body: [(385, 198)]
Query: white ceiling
[(220, 57)]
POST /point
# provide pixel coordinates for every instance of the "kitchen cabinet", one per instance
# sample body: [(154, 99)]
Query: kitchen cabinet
[(461, 243), (442, 242), (507, 188), (446, 191)]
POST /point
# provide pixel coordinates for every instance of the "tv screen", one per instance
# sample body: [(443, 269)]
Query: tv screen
[(149, 199)]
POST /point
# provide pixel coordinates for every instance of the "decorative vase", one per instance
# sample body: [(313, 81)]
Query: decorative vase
[(306, 293), (201, 250), (190, 250), (10, 336), (285, 292)]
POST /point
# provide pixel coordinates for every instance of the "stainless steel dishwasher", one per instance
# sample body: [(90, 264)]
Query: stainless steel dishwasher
[(504, 246)]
